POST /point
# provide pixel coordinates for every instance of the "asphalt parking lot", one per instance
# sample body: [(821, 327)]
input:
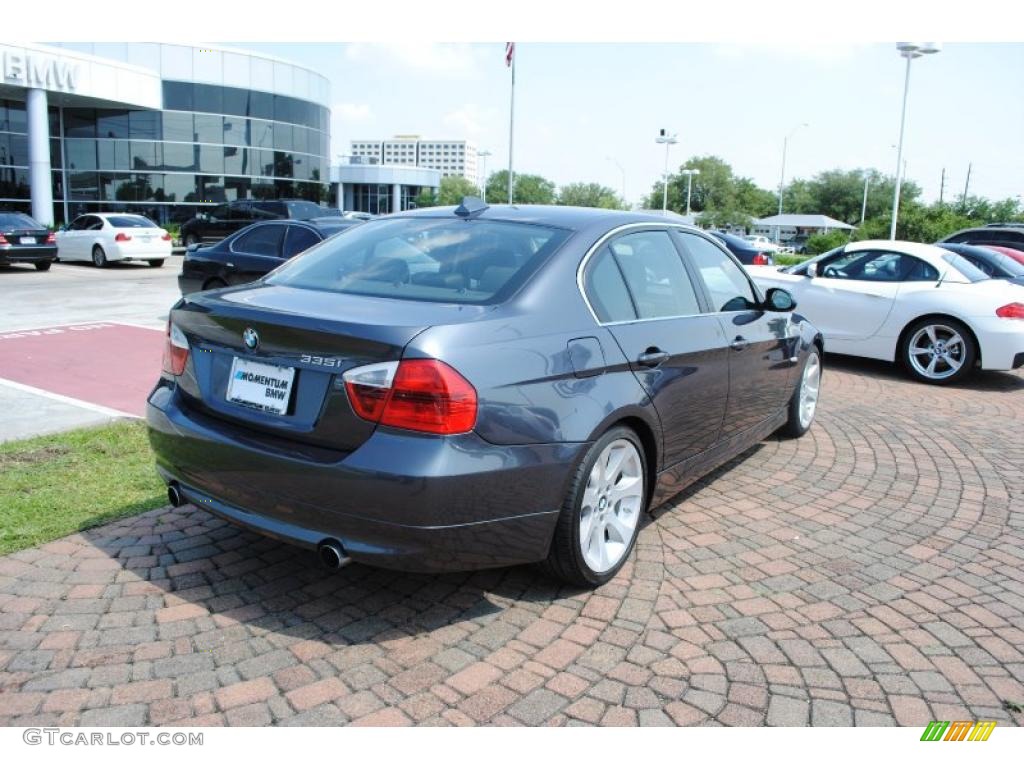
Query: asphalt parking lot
[(868, 574)]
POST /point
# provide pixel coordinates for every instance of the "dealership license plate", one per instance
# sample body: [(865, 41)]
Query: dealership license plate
[(28, 241), (261, 386)]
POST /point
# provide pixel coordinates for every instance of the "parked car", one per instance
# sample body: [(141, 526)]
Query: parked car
[(744, 251), (989, 260), (338, 213), (1008, 235), (926, 307), (23, 240), (1014, 253), (554, 373), (252, 252), (762, 243), (798, 244), (103, 238), (214, 225)]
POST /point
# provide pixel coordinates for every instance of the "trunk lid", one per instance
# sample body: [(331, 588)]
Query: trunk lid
[(316, 335)]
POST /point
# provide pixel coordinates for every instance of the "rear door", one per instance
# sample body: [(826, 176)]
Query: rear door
[(641, 291), (762, 345), (256, 251)]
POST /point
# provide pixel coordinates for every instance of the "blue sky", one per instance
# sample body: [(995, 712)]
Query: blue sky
[(579, 104)]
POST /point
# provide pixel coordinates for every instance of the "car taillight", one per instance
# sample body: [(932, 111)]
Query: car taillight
[(165, 236), (1014, 310), (3, 240), (175, 351), (760, 259), (420, 395), (122, 237), (51, 239)]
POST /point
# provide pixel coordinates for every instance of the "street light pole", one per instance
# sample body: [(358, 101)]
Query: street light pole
[(483, 154), (668, 140), (623, 172), (690, 173), (909, 51), (864, 205), (782, 176)]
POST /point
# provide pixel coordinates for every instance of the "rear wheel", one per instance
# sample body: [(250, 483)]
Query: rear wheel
[(42, 266), (214, 282), (99, 258), (804, 402), (600, 518), (938, 351), (156, 262)]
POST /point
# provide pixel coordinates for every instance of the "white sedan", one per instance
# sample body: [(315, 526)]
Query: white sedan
[(762, 243), (105, 237), (924, 306)]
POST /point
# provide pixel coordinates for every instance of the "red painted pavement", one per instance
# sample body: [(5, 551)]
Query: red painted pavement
[(103, 363)]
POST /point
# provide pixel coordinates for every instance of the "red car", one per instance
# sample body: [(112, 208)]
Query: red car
[(1013, 253)]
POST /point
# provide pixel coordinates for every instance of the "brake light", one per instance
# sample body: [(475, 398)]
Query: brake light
[(165, 236), (122, 237), (175, 351), (51, 238), (760, 260), (1014, 310), (418, 394), (3, 240)]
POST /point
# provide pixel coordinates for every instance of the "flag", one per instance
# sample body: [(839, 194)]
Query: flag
[(510, 52)]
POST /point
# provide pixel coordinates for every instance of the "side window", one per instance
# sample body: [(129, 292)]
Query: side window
[(915, 270), (606, 291), (260, 241), (95, 223), (220, 212), (297, 240), (655, 275), (79, 223), (241, 211), (727, 283)]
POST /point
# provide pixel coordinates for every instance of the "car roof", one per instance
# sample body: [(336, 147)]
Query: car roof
[(933, 254), (565, 216)]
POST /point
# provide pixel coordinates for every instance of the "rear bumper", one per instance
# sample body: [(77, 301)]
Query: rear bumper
[(1001, 340), (27, 254), (158, 249), (403, 501)]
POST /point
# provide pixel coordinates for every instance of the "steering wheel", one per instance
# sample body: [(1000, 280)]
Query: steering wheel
[(833, 272)]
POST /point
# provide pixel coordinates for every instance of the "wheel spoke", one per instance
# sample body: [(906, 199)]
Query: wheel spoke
[(615, 460), (954, 340), (951, 361), (598, 547), (619, 529), (916, 351), (627, 488), (930, 370), (930, 330)]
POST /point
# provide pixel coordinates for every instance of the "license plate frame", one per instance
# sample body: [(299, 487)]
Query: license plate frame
[(249, 376), (29, 240)]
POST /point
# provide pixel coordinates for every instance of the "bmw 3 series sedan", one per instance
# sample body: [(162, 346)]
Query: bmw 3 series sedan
[(453, 389)]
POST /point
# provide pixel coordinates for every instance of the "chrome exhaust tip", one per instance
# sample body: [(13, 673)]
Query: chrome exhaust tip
[(174, 495), (332, 555)]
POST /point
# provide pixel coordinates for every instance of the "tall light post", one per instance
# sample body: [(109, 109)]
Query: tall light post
[(864, 205), (668, 139), (909, 51), (690, 173), (782, 176), (483, 154), (623, 172)]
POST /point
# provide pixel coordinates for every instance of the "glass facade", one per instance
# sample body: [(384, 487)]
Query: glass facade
[(209, 145)]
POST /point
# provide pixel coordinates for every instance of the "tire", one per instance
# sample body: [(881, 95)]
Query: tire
[(804, 403), (590, 506), (190, 240), (99, 258), (43, 266), (214, 283), (156, 262), (938, 350)]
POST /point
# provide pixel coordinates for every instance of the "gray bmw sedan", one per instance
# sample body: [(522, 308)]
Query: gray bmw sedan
[(451, 389)]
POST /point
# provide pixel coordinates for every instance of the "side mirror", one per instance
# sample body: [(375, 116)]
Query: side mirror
[(779, 300), (812, 269)]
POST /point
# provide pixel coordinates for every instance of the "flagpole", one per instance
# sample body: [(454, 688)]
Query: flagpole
[(511, 125)]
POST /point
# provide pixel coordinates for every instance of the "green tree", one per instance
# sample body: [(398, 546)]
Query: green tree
[(427, 198), (589, 195), (718, 195), (826, 241), (840, 194), (529, 188), (454, 188)]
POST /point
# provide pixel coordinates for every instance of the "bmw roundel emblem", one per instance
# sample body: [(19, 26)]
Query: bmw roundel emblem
[(251, 338)]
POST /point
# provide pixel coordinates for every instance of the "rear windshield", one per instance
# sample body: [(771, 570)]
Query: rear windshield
[(964, 267), (130, 222), (18, 221), (304, 210), (442, 260)]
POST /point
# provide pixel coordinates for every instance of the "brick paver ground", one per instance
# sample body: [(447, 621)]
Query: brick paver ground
[(868, 574)]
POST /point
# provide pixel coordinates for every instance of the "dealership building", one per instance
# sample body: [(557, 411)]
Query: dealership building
[(155, 128)]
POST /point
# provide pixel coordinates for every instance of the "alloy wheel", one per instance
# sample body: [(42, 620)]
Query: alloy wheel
[(937, 352), (611, 505), (810, 383)]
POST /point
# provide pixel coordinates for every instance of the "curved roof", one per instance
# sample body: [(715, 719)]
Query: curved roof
[(567, 216)]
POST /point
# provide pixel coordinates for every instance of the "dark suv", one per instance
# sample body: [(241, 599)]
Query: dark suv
[(1006, 235), (214, 225)]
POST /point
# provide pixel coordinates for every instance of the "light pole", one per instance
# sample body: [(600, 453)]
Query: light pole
[(483, 154), (782, 177), (623, 172), (690, 173), (664, 137), (864, 205), (909, 51)]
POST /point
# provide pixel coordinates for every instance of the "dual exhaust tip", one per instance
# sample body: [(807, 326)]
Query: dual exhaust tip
[(331, 553)]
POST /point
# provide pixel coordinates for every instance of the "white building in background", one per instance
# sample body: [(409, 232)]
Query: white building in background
[(452, 157)]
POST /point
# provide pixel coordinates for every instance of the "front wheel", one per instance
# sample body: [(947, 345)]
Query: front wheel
[(156, 262), (99, 258), (938, 351), (42, 266), (804, 402), (600, 518)]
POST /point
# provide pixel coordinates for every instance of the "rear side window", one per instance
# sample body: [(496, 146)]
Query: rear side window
[(297, 240), (455, 261), (130, 222), (726, 282), (260, 241), (303, 210), (606, 290), (655, 275)]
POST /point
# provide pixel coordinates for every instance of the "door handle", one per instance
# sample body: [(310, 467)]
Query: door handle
[(652, 358), (739, 344)]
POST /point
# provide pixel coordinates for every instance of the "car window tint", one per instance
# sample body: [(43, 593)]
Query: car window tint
[(95, 222), (130, 222), (260, 241), (726, 282), (916, 271), (606, 290), (18, 221), (297, 240), (655, 275)]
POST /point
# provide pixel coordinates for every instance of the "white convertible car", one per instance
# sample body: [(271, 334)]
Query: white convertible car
[(924, 306)]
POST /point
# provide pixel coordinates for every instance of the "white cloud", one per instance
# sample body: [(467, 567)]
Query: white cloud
[(352, 113), (442, 58), (470, 120)]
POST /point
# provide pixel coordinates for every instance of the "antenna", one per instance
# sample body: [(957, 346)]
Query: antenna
[(470, 207)]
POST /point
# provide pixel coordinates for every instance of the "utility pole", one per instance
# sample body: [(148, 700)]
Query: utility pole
[(967, 184), (942, 185), (864, 205)]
